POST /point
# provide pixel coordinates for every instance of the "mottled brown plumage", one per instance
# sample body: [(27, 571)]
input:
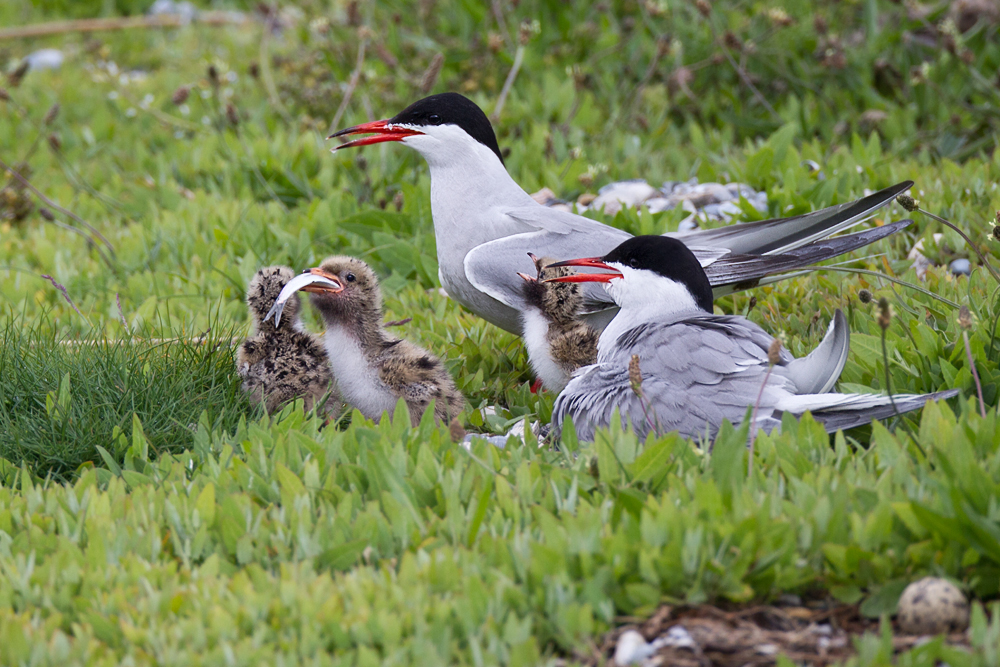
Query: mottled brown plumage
[(557, 338), (374, 369), (281, 364)]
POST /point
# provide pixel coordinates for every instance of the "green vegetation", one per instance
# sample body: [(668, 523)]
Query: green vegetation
[(60, 401), (148, 514)]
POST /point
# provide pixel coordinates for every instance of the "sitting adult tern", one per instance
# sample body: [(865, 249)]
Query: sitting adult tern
[(485, 223), (698, 369)]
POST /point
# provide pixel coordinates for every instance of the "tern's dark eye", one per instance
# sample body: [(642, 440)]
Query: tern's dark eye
[(349, 277), (633, 262), (434, 119)]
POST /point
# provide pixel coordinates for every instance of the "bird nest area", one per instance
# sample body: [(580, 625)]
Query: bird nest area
[(710, 636)]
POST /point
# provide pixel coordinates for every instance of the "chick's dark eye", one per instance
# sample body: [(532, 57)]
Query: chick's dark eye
[(434, 119), (349, 277)]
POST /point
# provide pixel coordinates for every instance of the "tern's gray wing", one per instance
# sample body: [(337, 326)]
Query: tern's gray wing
[(593, 238), (876, 407), (783, 234), (843, 411), (696, 372), (735, 272), (492, 267)]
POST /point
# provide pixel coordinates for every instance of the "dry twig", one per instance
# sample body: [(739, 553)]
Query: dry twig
[(119, 23), (353, 83), (64, 211)]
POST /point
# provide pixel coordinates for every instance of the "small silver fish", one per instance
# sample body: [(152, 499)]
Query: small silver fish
[(294, 285)]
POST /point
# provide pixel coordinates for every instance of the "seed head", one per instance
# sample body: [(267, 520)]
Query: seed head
[(353, 13), (704, 8), (180, 95), (635, 375), (820, 25), (681, 80), (864, 296), (4, 95), (232, 115), (46, 213), (14, 78), (55, 143), (752, 304), (964, 318), (908, 202), (774, 352), (213, 75), (254, 69), (527, 30), (732, 41), (779, 17), (51, 114), (885, 313)]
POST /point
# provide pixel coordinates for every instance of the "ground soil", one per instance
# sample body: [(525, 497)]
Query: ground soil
[(755, 636)]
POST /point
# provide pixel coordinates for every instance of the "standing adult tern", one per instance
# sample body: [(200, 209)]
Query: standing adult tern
[(698, 369), (485, 223)]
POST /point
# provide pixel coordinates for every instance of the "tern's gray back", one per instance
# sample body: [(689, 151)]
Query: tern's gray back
[(697, 370)]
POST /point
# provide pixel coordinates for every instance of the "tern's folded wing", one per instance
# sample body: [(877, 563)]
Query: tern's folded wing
[(734, 272), (784, 234), (592, 238), (492, 267), (696, 372)]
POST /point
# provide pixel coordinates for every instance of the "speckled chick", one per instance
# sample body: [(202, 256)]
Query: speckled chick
[(932, 606), (374, 369), (281, 364), (557, 339)]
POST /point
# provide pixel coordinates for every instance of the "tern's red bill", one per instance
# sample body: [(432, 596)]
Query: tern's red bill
[(590, 262), (381, 130)]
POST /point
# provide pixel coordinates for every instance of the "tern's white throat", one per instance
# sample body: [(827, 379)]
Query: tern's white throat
[(643, 296)]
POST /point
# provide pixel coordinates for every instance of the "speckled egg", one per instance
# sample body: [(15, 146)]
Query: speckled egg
[(932, 606)]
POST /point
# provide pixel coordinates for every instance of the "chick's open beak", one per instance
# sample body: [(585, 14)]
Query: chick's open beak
[(591, 262), (382, 130), (333, 286)]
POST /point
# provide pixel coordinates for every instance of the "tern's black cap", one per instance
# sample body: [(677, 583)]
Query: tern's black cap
[(668, 257), (451, 109)]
